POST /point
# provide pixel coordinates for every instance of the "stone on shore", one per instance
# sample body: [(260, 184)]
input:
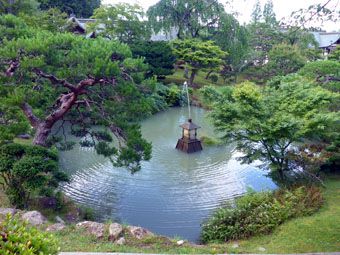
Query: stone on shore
[(139, 232), (94, 228), (59, 220), (34, 218), (180, 242), (5, 211), (115, 230), (121, 241), (55, 227)]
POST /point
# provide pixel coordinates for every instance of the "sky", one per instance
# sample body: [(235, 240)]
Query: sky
[(282, 8)]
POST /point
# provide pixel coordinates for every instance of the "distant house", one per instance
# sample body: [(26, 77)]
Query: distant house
[(79, 27), (327, 40)]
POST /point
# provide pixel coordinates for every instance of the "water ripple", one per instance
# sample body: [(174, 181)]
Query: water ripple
[(173, 192)]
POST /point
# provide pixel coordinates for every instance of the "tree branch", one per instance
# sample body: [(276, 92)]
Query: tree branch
[(34, 120), (52, 78), (9, 72)]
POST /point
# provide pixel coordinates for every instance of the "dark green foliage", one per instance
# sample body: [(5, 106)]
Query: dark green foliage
[(79, 8), (158, 55), (284, 59), (332, 162), (87, 213), (326, 73), (25, 169), (109, 85), (17, 7), (260, 213), (213, 78), (18, 239), (13, 27)]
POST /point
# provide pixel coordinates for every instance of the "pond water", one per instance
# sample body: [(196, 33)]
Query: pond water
[(174, 191)]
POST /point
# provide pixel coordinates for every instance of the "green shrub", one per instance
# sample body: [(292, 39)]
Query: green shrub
[(87, 213), (210, 141), (25, 169), (259, 213), (213, 78), (174, 97), (18, 239)]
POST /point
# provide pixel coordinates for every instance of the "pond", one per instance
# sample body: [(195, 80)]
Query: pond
[(174, 191)]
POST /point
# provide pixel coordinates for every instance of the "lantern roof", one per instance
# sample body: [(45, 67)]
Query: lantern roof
[(189, 125)]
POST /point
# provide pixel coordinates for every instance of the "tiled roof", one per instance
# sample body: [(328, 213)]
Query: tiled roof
[(326, 39)]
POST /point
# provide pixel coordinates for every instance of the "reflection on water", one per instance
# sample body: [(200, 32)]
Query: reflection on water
[(174, 191)]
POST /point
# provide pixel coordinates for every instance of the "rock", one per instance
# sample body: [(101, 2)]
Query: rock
[(196, 103), (115, 230), (59, 220), (261, 249), (34, 218), (49, 202), (26, 136), (121, 241), (94, 228), (235, 246), (55, 227), (71, 219), (139, 232), (5, 211), (180, 242)]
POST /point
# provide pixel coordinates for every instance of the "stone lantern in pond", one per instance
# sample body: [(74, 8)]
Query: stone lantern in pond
[(189, 142)]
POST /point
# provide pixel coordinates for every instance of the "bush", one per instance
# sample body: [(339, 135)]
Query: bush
[(174, 97), (25, 169), (213, 78), (16, 238), (259, 213), (211, 141)]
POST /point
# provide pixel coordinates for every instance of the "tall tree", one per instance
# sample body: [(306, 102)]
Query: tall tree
[(269, 15), (198, 56), (60, 78), (187, 17), (231, 37), (256, 15), (121, 21), (18, 6), (284, 59), (79, 8), (265, 122), (158, 55)]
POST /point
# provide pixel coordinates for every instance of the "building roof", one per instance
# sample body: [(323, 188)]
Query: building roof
[(326, 39), (189, 125)]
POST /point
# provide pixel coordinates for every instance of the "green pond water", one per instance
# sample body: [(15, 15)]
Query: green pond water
[(173, 192)]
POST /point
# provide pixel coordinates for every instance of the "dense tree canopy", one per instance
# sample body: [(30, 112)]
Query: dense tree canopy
[(62, 78), (79, 8), (26, 169), (122, 22), (158, 55), (198, 56), (18, 6), (187, 17), (265, 123), (284, 59)]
